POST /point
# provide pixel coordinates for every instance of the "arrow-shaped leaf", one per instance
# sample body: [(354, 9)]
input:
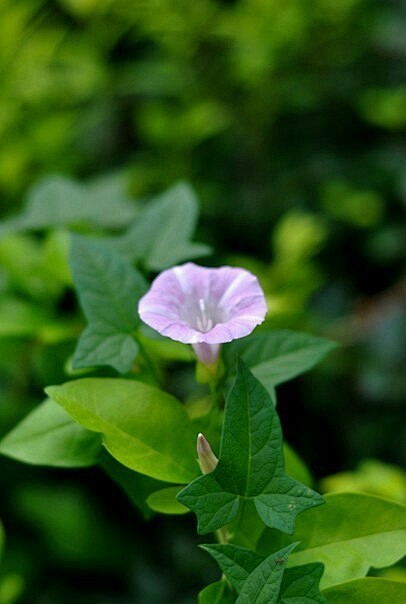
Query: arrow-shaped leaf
[(237, 563), (250, 466), (300, 583), (264, 583), (109, 289)]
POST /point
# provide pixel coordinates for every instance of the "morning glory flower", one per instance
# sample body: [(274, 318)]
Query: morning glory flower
[(205, 307)]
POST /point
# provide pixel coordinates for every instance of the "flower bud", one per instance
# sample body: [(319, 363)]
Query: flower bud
[(207, 460)]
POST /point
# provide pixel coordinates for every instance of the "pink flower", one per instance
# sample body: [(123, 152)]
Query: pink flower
[(203, 306)]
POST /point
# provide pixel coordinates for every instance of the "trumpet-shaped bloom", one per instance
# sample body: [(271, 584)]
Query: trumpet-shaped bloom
[(203, 306)]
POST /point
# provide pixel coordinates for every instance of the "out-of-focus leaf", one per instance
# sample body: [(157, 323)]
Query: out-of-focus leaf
[(369, 590), (137, 486), (48, 436), (359, 207), (217, 593), (25, 319), (1, 539), (11, 588), (384, 107), (109, 289), (57, 201), (75, 527), (371, 476), (161, 236)]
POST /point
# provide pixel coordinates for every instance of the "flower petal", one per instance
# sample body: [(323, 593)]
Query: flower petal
[(185, 300)]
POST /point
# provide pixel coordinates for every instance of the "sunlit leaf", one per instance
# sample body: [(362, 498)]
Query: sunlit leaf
[(165, 502), (369, 590), (349, 535), (142, 427)]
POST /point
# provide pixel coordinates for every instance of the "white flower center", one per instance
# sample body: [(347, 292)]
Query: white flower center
[(203, 320)]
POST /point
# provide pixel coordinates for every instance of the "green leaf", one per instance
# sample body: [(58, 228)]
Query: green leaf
[(136, 486), (277, 356), (295, 466), (58, 201), (263, 584), (369, 590), (144, 428), (370, 476), (109, 289), (247, 527), (161, 236), (11, 588), (217, 593), (250, 467), (48, 436), (24, 319), (300, 585), (349, 534), (164, 501), (35, 268), (237, 563), (1, 539)]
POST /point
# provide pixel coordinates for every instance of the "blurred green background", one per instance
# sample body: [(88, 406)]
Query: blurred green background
[(288, 118)]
